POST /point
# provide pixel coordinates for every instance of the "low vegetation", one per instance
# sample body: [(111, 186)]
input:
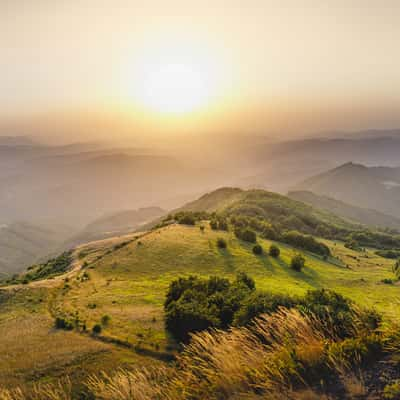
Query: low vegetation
[(194, 304), (290, 352), (297, 262), (274, 251), (391, 254), (49, 269), (221, 243)]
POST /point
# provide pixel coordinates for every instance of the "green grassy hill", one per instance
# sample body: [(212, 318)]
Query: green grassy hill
[(127, 280), (118, 286), (271, 206)]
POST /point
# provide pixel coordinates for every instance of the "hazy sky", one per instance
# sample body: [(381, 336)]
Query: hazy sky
[(270, 65)]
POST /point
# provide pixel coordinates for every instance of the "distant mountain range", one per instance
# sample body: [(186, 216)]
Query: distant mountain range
[(357, 214), (119, 223), (377, 188), (75, 184), (23, 243), (279, 166)]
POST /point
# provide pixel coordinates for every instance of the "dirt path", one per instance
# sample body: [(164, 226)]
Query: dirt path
[(77, 264)]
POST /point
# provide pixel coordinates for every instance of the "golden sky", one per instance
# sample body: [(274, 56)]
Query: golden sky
[(301, 64)]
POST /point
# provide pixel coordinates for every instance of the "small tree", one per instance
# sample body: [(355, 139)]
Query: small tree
[(96, 329), (274, 251), (105, 320), (214, 224), (187, 219), (221, 243), (257, 250), (223, 225), (396, 269), (297, 262)]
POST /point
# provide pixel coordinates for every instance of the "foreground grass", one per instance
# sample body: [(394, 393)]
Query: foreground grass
[(128, 284), (285, 355)]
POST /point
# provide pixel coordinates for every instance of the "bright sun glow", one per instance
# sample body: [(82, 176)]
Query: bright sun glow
[(174, 80), (175, 88)]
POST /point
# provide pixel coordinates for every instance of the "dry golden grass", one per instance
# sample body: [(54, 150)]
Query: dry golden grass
[(267, 361), (227, 365)]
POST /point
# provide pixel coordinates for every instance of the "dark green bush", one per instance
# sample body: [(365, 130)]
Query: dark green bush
[(336, 313), (214, 224), (297, 262), (62, 323), (257, 250), (258, 303), (396, 269), (391, 254), (97, 329), (187, 220), (246, 235), (221, 243), (274, 251), (306, 242), (193, 304)]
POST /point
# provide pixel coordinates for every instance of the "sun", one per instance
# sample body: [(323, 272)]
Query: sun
[(175, 88), (174, 80)]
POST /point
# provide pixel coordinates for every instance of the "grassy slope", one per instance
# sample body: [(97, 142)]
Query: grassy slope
[(129, 285), (33, 351)]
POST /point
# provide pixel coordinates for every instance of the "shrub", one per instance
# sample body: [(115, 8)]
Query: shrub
[(274, 251), (97, 329), (219, 223), (187, 220), (193, 304), (270, 232), (105, 319), (337, 314), (297, 262), (62, 323), (214, 224), (396, 269), (306, 242), (49, 269), (221, 243), (391, 254), (223, 225), (257, 250), (246, 235), (261, 303), (364, 349)]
